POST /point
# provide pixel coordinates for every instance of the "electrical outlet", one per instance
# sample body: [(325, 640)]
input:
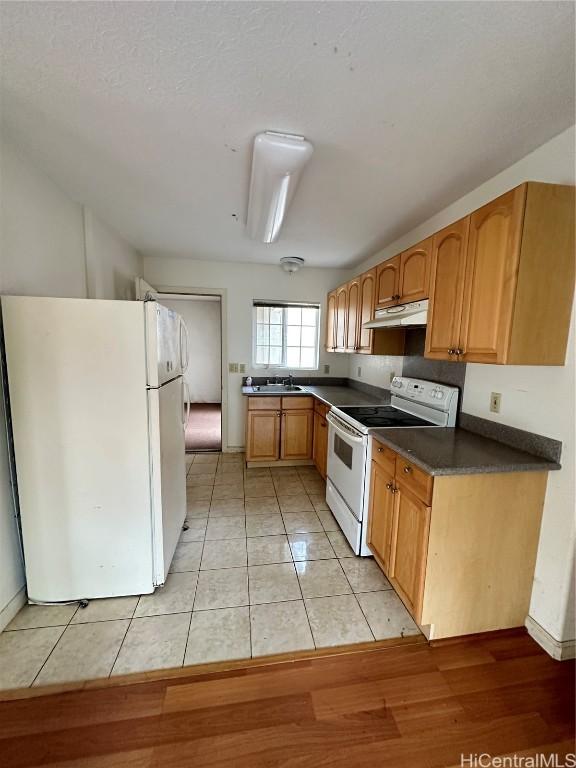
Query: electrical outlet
[(359, 372), (326, 368), (242, 368), (233, 367), (495, 398)]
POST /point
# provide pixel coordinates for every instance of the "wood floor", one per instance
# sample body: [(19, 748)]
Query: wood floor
[(405, 706)]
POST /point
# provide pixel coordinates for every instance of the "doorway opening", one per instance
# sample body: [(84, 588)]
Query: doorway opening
[(202, 316)]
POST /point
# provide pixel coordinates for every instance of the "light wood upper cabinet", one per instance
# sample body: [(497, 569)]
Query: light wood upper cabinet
[(263, 435), (387, 283), (446, 290), (513, 302), (341, 310), (381, 514), (331, 322), (364, 342), (409, 548), (415, 272), (485, 278), (352, 315), (297, 434), (490, 280)]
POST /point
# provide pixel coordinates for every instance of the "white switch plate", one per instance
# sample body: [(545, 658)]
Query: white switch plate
[(359, 372), (233, 367), (242, 368), (326, 368), (495, 398)]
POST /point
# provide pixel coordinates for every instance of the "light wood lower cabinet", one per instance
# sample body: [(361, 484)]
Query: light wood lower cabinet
[(408, 548), (320, 443), (297, 432), (460, 550), (263, 436), (279, 429), (381, 522)]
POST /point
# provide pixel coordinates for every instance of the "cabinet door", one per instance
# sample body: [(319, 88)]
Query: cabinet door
[(490, 280), (415, 272), (409, 549), (366, 311), (352, 315), (297, 434), (263, 436), (331, 322), (320, 443), (341, 306), (387, 281), (446, 290), (381, 515)]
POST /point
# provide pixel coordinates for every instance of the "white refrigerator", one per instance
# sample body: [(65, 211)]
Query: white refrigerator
[(97, 405)]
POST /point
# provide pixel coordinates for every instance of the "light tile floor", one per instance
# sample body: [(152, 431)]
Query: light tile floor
[(261, 569)]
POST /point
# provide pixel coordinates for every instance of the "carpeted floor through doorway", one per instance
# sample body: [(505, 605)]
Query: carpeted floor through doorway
[(204, 428)]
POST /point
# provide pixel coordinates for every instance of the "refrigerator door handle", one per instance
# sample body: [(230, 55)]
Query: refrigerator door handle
[(184, 346), (186, 403)]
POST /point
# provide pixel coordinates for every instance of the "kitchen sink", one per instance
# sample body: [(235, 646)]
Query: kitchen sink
[(276, 388)]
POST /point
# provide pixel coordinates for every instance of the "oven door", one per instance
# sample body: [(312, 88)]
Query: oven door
[(347, 462)]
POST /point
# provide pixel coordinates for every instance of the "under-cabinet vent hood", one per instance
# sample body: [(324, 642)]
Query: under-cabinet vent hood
[(401, 316)]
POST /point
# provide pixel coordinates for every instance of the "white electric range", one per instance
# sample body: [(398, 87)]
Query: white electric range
[(413, 403)]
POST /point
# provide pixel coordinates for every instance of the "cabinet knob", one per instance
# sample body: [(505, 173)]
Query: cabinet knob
[(394, 490), (278, 413), (389, 486), (380, 449), (407, 470), (451, 351)]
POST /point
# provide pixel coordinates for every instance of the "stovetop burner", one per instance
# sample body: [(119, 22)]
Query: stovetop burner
[(383, 416)]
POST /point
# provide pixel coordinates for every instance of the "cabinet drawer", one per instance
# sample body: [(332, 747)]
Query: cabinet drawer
[(321, 408), (297, 403), (383, 456), (415, 479), (263, 403)]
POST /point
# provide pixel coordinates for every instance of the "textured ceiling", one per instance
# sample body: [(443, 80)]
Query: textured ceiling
[(146, 111)]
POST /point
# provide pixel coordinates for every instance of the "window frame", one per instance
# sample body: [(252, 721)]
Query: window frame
[(285, 306)]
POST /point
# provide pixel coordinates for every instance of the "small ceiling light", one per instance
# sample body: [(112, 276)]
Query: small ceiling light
[(291, 264), (277, 162)]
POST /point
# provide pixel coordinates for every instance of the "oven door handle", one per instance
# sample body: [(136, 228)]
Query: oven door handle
[(344, 429)]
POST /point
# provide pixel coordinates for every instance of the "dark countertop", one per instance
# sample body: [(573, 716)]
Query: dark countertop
[(342, 396), (440, 451), (328, 394)]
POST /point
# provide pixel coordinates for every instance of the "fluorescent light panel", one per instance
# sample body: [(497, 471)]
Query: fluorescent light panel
[(277, 162)]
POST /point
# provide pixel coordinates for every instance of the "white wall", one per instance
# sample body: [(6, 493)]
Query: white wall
[(43, 252), (203, 320), (42, 232), (241, 284), (111, 263), (538, 399)]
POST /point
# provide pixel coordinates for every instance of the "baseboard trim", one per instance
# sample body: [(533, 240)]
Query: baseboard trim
[(561, 650), (9, 611)]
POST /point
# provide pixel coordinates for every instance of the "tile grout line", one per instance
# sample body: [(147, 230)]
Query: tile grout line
[(55, 644)]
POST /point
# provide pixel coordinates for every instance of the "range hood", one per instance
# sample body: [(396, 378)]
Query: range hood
[(401, 316)]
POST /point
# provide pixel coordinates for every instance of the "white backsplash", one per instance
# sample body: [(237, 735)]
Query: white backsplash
[(375, 369)]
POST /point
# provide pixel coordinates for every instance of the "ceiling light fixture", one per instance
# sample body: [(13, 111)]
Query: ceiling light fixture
[(277, 162), (291, 264)]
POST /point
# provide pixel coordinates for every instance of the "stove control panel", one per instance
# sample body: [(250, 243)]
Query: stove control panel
[(427, 392)]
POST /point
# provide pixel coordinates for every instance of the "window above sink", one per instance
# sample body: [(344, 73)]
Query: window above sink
[(285, 335)]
